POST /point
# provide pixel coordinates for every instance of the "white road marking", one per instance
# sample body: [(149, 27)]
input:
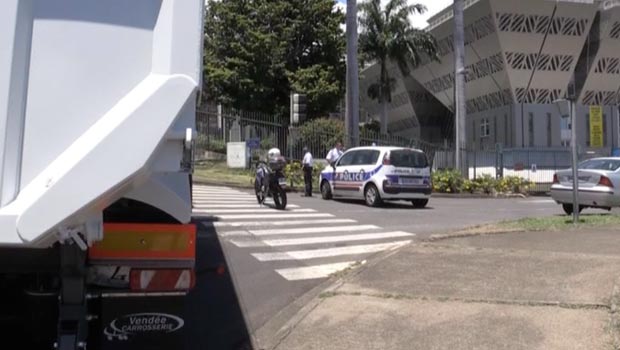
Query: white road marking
[(319, 240), (255, 210), (539, 201), (313, 272), (218, 193), (282, 223), (304, 230), (328, 252), (269, 216), (223, 206), (227, 199)]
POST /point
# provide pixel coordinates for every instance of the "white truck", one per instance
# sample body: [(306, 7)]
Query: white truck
[(97, 111)]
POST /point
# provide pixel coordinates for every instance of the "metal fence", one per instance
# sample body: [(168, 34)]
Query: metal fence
[(218, 125), (534, 164)]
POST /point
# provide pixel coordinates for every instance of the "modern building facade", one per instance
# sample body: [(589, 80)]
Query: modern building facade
[(521, 56)]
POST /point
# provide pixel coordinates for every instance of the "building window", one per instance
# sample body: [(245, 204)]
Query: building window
[(495, 129), (506, 130), (565, 130), (473, 135), (588, 141), (530, 129), (605, 130), (485, 128), (549, 134)]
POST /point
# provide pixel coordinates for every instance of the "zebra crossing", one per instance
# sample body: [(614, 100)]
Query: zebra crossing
[(303, 243)]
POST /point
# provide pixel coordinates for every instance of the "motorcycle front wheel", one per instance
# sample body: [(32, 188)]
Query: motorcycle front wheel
[(279, 198)]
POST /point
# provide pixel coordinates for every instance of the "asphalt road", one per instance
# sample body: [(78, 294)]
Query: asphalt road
[(254, 261)]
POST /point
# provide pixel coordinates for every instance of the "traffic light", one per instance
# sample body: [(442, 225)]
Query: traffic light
[(298, 108)]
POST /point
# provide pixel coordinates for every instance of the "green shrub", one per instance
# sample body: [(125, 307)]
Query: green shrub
[(218, 146), (316, 171), (293, 173), (447, 181), (515, 184), (486, 183), (470, 186)]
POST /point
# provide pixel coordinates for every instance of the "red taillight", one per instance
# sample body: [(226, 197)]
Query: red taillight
[(605, 181), (386, 159), (555, 179), (159, 280)]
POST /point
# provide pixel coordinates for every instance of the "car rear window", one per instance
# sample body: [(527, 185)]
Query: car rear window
[(408, 159), (600, 164)]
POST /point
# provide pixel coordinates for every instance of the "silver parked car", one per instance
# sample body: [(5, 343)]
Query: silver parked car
[(599, 185)]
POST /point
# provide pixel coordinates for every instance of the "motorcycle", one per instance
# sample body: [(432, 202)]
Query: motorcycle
[(270, 182)]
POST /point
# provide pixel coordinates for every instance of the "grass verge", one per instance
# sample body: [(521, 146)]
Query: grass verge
[(559, 223), (551, 223), (218, 172)]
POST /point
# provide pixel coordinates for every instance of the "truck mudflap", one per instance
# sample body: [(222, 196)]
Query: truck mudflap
[(139, 276), (141, 321)]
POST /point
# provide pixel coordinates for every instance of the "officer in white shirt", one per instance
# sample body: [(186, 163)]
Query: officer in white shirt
[(307, 164), (334, 154)]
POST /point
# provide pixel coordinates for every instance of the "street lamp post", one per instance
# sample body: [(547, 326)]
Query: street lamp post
[(567, 107), (352, 80)]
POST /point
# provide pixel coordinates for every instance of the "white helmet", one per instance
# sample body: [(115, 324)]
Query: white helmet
[(273, 153)]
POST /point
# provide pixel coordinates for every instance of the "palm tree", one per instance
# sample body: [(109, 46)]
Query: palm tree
[(387, 35)]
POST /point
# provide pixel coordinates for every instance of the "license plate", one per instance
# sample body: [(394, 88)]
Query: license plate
[(282, 182), (409, 181)]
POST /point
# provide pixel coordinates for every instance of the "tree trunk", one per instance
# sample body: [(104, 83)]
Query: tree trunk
[(352, 99), (384, 93), (384, 117), (459, 85)]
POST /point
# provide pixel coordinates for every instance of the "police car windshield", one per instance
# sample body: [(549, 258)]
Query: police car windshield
[(408, 159)]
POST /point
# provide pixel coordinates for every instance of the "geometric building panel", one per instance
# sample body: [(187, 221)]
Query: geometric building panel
[(537, 96), (602, 83), (538, 24), (475, 31), (593, 97), (615, 31), (478, 70), (489, 101), (608, 65), (546, 62)]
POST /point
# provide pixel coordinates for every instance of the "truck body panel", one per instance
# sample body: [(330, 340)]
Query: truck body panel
[(96, 99)]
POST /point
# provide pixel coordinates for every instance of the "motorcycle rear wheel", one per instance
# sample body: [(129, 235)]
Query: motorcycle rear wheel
[(279, 198)]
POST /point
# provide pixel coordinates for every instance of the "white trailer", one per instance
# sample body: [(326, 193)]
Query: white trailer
[(97, 110)]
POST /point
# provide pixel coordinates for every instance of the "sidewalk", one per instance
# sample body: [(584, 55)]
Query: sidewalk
[(540, 290)]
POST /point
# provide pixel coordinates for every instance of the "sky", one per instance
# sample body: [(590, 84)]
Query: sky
[(418, 21)]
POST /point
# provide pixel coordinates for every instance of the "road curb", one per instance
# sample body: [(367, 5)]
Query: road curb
[(443, 236), (477, 196)]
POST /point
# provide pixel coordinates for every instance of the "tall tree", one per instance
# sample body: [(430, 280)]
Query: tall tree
[(387, 35), (258, 51)]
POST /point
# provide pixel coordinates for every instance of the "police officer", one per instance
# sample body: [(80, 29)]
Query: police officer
[(334, 154), (307, 164)]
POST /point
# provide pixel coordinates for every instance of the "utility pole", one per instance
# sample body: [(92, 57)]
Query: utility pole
[(352, 107), (459, 85)]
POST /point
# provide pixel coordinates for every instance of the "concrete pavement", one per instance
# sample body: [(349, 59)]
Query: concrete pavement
[(542, 290)]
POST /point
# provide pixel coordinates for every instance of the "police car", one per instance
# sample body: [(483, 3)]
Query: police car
[(378, 174)]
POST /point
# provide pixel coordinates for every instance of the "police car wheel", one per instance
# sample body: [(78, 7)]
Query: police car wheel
[(419, 203), (371, 194), (326, 191)]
